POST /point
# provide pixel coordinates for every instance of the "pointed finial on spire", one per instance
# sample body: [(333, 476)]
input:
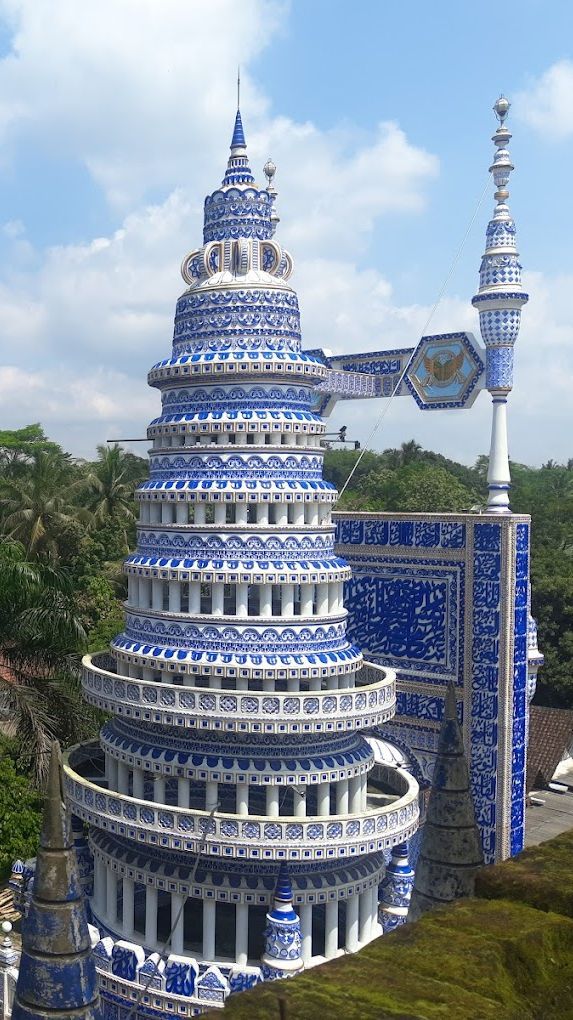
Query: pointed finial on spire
[(57, 973), (238, 87)]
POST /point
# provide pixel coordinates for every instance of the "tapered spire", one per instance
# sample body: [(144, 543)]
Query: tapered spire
[(57, 976), (238, 171), (499, 301), (451, 850)]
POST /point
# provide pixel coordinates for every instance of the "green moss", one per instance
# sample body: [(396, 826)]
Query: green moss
[(476, 960), (541, 876)]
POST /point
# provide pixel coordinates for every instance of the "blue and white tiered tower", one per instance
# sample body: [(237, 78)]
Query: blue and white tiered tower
[(236, 795)]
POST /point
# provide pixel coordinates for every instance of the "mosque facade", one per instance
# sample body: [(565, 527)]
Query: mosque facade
[(276, 696)]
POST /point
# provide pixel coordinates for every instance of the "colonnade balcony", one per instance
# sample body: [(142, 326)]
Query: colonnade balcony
[(251, 837), (226, 703), (223, 925)]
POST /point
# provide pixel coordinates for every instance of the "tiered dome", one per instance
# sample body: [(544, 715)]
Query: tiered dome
[(237, 699)]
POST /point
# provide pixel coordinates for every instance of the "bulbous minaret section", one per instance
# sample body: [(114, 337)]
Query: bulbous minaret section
[(499, 301), (237, 700)]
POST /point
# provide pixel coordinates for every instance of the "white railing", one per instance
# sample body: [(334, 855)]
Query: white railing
[(328, 711), (247, 836)]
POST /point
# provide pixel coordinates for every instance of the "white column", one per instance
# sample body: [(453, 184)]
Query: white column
[(122, 777), (351, 941), (498, 475), (263, 513), (265, 598), (322, 599), (242, 591), (166, 512), (364, 791), (199, 513), (177, 919), (156, 594), (241, 933), (112, 768), (287, 600), (174, 597), (183, 792), (298, 517), (364, 909), (211, 795), (374, 927), (132, 589), (272, 807), (147, 673), (306, 932), (138, 782), (331, 929), (306, 599), (220, 513), (194, 597), (181, 515), (243, 799), (209, 918), (128, 893), (299, 795), (282, 514), (99, 887), (342, 797), (111, 898), (323, 798), (217, 598), (241, 515), (159, 790), (355, 795), (155, 513), (150, 916)]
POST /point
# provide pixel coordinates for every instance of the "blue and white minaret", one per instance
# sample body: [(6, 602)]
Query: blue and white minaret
[(237, 702), (499, 301)]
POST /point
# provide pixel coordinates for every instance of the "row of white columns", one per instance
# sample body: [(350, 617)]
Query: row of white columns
[(361, 918), (231, 438), (297, 514), (154, 593), (295, 685), (350, 794)]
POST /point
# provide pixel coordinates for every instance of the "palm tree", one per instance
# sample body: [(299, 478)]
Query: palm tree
[(109, 490), (37, 508), (40, 636)]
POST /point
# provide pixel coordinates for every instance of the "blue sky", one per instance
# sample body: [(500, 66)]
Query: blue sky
[(115, 119)]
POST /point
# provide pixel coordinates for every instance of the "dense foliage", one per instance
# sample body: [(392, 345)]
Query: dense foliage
[(66, 524), (413, 479)]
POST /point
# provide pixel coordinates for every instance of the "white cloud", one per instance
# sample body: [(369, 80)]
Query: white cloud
[(139, 99), (548, 102)]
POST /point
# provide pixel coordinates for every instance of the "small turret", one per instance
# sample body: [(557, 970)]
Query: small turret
[(57, 976), (451, 851), (396, 889), (283, 943)]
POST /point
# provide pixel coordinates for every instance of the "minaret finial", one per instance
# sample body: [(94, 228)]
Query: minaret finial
[(238, 87), (57, 972), (499, 302)]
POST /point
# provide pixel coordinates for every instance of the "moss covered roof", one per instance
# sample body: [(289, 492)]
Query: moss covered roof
[(499, 958)]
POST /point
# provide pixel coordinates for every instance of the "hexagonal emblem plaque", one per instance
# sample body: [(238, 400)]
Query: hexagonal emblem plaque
[(447, 371)]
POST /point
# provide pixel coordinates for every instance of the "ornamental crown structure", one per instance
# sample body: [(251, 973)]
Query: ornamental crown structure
[(237, 820)]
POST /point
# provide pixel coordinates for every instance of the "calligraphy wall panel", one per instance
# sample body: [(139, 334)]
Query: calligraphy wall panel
[(440, 597)]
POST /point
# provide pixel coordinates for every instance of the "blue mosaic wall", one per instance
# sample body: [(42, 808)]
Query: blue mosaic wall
[(440, 598)]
